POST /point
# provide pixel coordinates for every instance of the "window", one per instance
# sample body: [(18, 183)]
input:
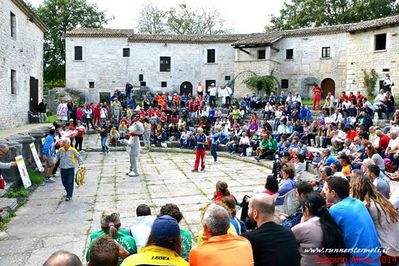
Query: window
[(385, 70), (289, 54), (143, 84), (284, 83), (91, 84), (141, 77), (13, 81), (210, 56), (78, 53), (380, 42), (261, 54), (164, 64), (164, 84), (325, 52), (13, 24), (126, 52), (227, 77)]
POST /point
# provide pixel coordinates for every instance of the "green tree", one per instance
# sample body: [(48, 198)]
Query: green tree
[(61, 16), (369, 81), (265, 84), (180, 20), (313, 13)]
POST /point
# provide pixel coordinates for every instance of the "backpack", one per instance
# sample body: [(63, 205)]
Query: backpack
[(389, 166)]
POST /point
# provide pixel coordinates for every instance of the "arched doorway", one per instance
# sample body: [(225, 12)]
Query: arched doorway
[(186, 87), (327, 85)]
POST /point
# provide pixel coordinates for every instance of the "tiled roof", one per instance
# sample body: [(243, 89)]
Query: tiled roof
[(254, 39), (30, 14), (266, 38), (100, 33)]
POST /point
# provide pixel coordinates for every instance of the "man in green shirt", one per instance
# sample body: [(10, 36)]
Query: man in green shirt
[(267, 147)]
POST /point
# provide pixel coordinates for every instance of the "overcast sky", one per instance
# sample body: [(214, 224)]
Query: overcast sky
[(242, 16)]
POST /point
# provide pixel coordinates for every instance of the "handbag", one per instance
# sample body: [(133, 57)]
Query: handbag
[(2, 182)]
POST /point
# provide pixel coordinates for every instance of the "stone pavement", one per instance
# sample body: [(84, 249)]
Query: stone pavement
[(47, 223)]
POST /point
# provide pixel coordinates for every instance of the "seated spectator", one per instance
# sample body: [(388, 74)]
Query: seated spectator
[(243, 144), (222, 191), (123, 129), (271, 243), (163, 246), (317, 230), (353, 219), (302, 189), (111, 226), (185, 236), (267, 148), (221, 248), (371, 152), (113, 136), (346, 167), (385, 217), (379, 180), (286, 185), (300, 166), (104, 251), (142, 226), (63, 257), (231, 205)]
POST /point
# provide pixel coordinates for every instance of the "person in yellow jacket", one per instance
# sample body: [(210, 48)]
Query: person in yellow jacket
[(163, 245), (68, 157)]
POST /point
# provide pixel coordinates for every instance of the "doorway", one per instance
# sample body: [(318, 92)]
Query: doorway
[(186, 88), (208, 84), (327, 85), (34, 93), (105, 97)]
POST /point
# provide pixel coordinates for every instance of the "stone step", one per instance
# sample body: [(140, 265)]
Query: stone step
[(7, 205)]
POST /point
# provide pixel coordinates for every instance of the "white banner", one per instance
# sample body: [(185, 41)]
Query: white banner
[(22, 171), (36, 157)]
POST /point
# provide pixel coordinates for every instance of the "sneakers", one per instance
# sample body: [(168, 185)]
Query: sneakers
[(202, 169), (132, 174), (257, 158), (67, 199), (127, 172), (49, 180), (242, 154), (194, 170)]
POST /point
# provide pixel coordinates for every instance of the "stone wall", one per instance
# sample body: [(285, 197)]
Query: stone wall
[(361, 54), (24, 54), (104, 64)]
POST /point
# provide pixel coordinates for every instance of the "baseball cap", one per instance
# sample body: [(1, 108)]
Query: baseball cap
[(165, 226)]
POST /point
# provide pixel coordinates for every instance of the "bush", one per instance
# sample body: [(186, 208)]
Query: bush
[(19, 192), (36, 178), (369, 81), (267, 84)]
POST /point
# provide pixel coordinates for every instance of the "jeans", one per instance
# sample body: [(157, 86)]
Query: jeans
[(104, 146), (67, 177), (214, 151)]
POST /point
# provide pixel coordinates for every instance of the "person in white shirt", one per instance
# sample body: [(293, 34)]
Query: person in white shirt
[(222, 94), (212, 95), (336, 117), (387, 83), (244, 143), (142, 226), (229, 93), (296, 98)]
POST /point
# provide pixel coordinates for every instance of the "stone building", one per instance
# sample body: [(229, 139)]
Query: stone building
[(21, 62), (100, 60)]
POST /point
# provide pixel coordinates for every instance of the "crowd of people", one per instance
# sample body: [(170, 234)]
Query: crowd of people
[(344, 214)]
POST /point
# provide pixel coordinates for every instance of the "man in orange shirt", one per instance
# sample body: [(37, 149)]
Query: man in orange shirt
[(220, 247)]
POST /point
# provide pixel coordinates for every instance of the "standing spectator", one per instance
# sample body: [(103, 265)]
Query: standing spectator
[(48, 150), (62, 111), (316, 96), (96, 115), (353, 219), (89, 116), (317, 230), (200, 89), (221, 248), (103, 129), (104, 251), (271, 243), (111, 226), (212, 95), (200, 138), (63, 257), (163, 246), (385, 217), (142, 226), (128, 90), (81, 130), (229, 94), (388, 83), (185, 235), (68, 157)]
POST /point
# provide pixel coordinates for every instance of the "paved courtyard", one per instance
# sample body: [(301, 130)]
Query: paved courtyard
[(47, 223)]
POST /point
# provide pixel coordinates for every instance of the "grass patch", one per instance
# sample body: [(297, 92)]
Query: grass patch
[(4, 222), (36, 178), (51, 118), (20, 192)]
